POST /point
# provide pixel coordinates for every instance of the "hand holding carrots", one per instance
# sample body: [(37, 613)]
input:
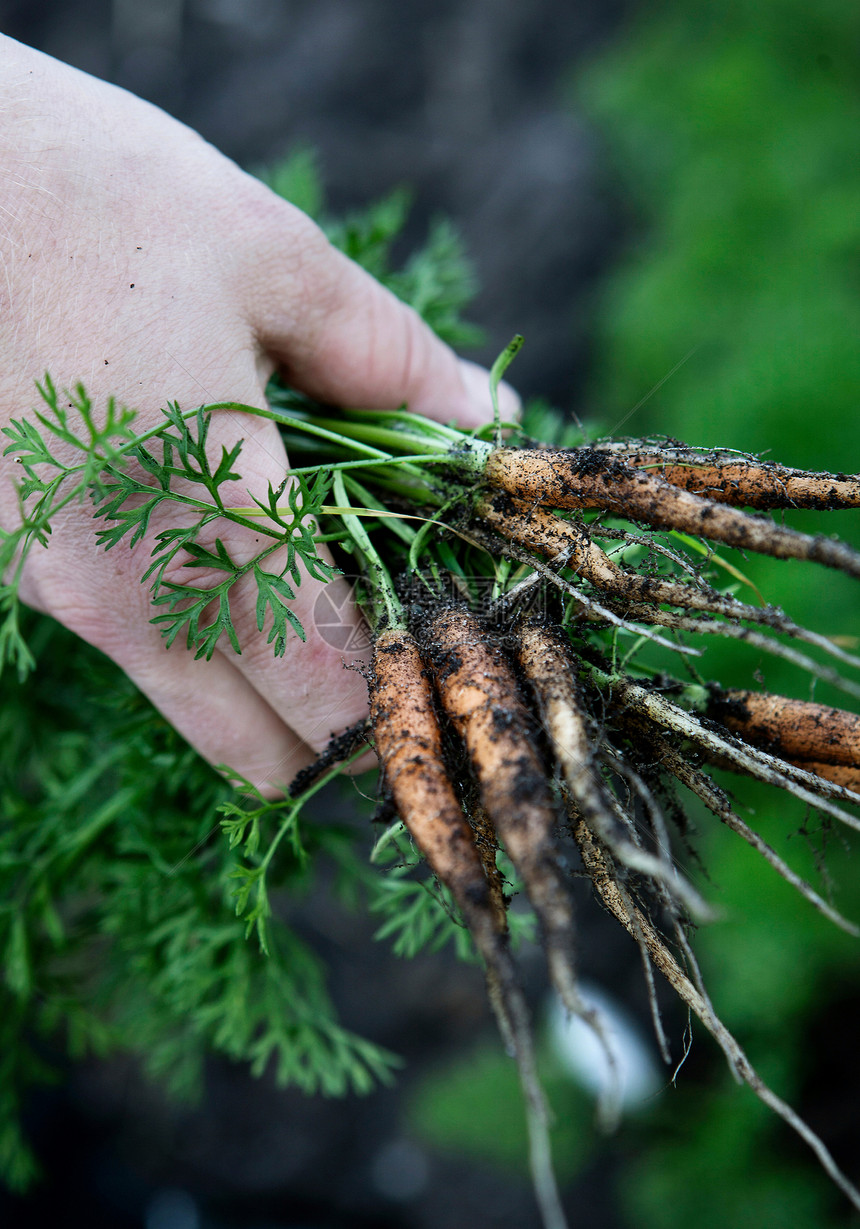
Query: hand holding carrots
[(143, 264)]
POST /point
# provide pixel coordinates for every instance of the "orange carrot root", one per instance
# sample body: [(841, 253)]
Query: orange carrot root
[(794, 729), (409, 745), (589, 478), (479, 692), (530, 525), (540, 531), (743, 482)]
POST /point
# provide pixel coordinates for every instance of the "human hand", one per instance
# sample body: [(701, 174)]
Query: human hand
[(140, 262)]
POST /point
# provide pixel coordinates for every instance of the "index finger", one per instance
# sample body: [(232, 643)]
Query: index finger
[(341, 336)]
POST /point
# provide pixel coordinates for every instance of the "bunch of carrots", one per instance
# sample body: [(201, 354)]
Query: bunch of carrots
[(505, 723)]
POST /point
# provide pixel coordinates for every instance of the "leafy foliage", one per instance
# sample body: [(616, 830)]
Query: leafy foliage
[(418, 912), (128, 484), (46, 487), (118, 922)]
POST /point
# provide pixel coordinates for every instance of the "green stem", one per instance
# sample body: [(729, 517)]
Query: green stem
[(421, 536), (423, 426), (497, 370), (394, 521), (402, 440), (460, 450), (375, 463), (380, 584), (298, 803), (301, 424)]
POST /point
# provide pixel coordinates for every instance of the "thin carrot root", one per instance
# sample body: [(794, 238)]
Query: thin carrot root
[(756, 639), (340, 748), (531, 526), (589, 478), (539, 530), (637, 924), (742, 481), (716, 800), (636, 596), (409, 745), (546, 664)]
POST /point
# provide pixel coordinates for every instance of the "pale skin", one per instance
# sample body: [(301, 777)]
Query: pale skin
[(139, 261)]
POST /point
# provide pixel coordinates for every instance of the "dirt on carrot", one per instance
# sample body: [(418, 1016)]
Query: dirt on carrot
[(589, 478), (796, 728), (409, 744), (743, 481), (479, 692)]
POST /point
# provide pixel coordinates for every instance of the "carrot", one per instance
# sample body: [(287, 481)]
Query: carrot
[(479, 692), (589, 478), (544, 533), (540, 531), (816, 737), (409, 744), (743, 481), (530, 525), (798, 728)]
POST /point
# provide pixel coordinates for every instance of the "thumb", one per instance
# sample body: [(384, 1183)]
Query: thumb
[(339, 335)]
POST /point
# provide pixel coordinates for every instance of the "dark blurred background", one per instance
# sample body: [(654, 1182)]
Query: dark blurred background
[(664, 200), (462, 101)]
